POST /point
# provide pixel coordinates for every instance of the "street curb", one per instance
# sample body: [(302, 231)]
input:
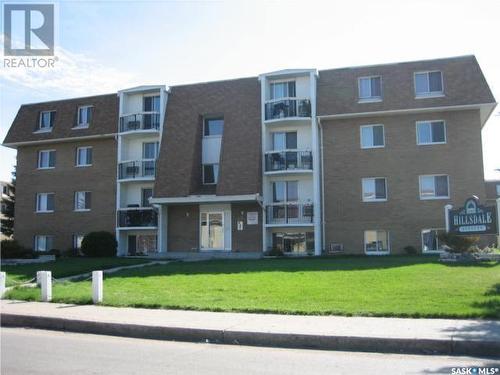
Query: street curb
[(481, 348)]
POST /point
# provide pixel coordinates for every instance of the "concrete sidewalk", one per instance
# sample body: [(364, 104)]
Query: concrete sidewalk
[(392, 335)]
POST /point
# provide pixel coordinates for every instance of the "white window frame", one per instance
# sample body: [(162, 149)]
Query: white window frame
[(38, 237), (375, 199), (422, 241), (40, 116), (78, 124), (37, 207), (428, 94), (370, 99), (272, 98), (216, 177), (498, 190), (417, 123), (78, 154), (433, 197), (40, 159), (377, 252), (361, 136), (75, 208)]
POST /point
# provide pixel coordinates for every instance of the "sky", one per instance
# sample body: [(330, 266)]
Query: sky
[(105, 46)]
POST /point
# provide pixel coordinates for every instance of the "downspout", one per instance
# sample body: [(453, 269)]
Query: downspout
[(322, 184)]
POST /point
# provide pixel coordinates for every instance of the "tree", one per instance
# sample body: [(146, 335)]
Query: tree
[(8, 208)]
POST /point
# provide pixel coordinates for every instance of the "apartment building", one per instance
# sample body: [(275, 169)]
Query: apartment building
[(360, 160), (7, 191)]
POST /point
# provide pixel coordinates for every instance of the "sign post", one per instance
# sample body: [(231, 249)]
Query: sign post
[(447, 209)]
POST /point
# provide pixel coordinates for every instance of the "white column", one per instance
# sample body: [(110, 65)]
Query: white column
[(2, 283), (263, 83), (447, 209), (46, 278), (318, 245), (97, 287)]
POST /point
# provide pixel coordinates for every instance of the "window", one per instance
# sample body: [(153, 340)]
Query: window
[(285, 191), (213, 127), (210, 173), (370, 88), (284, 141), (294, 243), (84, 116), (146, 193), (83, 156), (45, 202), (82, 200), (151, 103), (46, 120), (77, 241), (498, 190), (372, 136), (374, 189), (146, 243), (430, 240), (431, 132), (44, 242), (428, 84), (150, 150), (281, 90), (46, 159), (434, 187), (377, 242)]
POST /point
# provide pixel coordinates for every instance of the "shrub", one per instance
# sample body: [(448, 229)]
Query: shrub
[(458, 244), (11, 249), (99, 244), (274, 253), (55, 252), (411, 250), (70, 253)]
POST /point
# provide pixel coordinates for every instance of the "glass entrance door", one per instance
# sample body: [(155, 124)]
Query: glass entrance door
[(212, 231)]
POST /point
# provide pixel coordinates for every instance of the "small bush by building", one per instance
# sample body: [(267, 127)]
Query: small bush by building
[(11, 249), (458, 244), (99, 244)]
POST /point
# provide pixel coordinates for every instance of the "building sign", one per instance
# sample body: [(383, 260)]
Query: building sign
[(473, 218), (252, 218)]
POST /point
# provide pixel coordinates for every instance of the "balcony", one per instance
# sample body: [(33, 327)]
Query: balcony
[(137, 218), (288, 160), (143, 121), (286, 108), (139, 169), (289, 213)]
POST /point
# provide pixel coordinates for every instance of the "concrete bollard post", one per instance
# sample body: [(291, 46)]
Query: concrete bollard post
[(39, 278), (46, 283), (97, 287), (2, 283)]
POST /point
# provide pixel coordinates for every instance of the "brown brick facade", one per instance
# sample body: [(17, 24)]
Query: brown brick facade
[(64, 180), (401, 161), (179, 167)]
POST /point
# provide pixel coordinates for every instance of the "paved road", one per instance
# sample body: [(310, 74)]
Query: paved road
[(27, 351)]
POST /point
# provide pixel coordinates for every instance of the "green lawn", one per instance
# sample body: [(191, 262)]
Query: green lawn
[(369, 286), (64, 267)]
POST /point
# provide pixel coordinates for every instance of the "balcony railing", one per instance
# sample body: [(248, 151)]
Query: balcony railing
[(137, 169), (289, 107), (140, 121), (137, 217), (290, 213), (288, 160)]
